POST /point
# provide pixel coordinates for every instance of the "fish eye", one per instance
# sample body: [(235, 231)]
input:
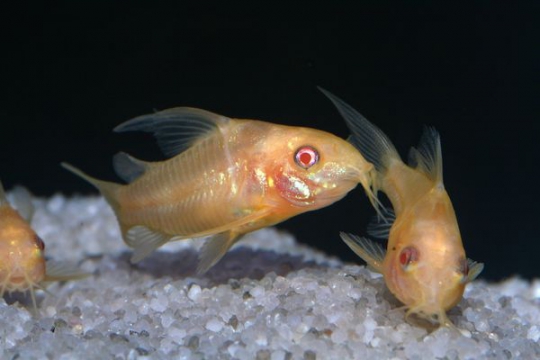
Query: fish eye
[(407, 256), (40, 243), (306, 156)]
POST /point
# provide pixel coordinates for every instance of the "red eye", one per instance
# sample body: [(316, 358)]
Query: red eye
[(306, 157), (40, 243), (408, 255)]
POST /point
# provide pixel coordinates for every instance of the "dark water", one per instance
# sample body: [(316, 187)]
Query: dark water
[(71, 72)]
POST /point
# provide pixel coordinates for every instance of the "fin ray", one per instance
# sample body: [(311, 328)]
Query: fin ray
[(475, 268), (127, 167), (213, 250), (371, 252), (144, 241), (62, 271), (22, 202), (372, 143), (381, 229), (427, 156), (175, 129)]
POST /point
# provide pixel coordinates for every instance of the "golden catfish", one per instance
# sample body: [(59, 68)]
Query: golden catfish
[(225, 177), (424, 264), (22, 252)]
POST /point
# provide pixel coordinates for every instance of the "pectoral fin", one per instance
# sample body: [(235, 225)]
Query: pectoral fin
[(22, 202), (62, 271), (379, 227), (371, 252), (214, 248), (144, 241), (475, 268)]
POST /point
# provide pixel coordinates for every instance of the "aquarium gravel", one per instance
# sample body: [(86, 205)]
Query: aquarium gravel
[(268, 298)]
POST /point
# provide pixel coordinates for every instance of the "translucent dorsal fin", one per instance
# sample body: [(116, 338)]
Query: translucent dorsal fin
[(175, 129), (427, 157), (127, 167), (370, 251), (372, 143)]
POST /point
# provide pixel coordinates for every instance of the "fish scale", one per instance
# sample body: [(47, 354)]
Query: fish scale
[(179, 182)]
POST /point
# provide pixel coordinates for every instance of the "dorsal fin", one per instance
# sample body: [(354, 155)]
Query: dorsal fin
[(427, 157), (372, 143), (127, 167), (175, 129)]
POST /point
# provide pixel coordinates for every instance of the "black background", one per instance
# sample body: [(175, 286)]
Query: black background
[(71, 71)]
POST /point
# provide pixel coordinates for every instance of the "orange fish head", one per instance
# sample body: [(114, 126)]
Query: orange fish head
[(315, 169), (428, 275), (22, 264)]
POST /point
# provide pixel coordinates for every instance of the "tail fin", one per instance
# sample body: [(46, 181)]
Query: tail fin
[(106, 188), (372, 143)]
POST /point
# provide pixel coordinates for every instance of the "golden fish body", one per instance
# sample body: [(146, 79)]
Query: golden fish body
[(22, 264), (424, 264), (22, 252), (225, 178)]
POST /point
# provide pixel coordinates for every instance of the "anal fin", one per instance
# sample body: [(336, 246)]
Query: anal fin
[(371, 252), (213, 250), (144, 241)]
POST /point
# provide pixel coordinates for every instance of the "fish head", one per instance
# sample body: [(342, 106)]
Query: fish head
[(313, 169), (22, 264), (426, 269)]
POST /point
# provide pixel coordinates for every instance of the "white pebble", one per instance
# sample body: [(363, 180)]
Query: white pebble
[(194, 292), (214, 325)]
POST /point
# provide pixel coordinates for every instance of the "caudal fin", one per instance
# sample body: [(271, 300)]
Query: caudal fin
[(106, 188)]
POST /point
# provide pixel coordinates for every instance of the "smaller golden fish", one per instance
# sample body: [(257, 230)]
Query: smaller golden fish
[(424, 265), (22, 252), (225, 178)]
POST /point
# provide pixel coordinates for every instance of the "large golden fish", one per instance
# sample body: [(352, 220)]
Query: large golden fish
[(225, 177), (424, 264)]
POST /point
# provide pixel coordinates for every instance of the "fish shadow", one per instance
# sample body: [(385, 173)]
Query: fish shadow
[(241, 262)]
